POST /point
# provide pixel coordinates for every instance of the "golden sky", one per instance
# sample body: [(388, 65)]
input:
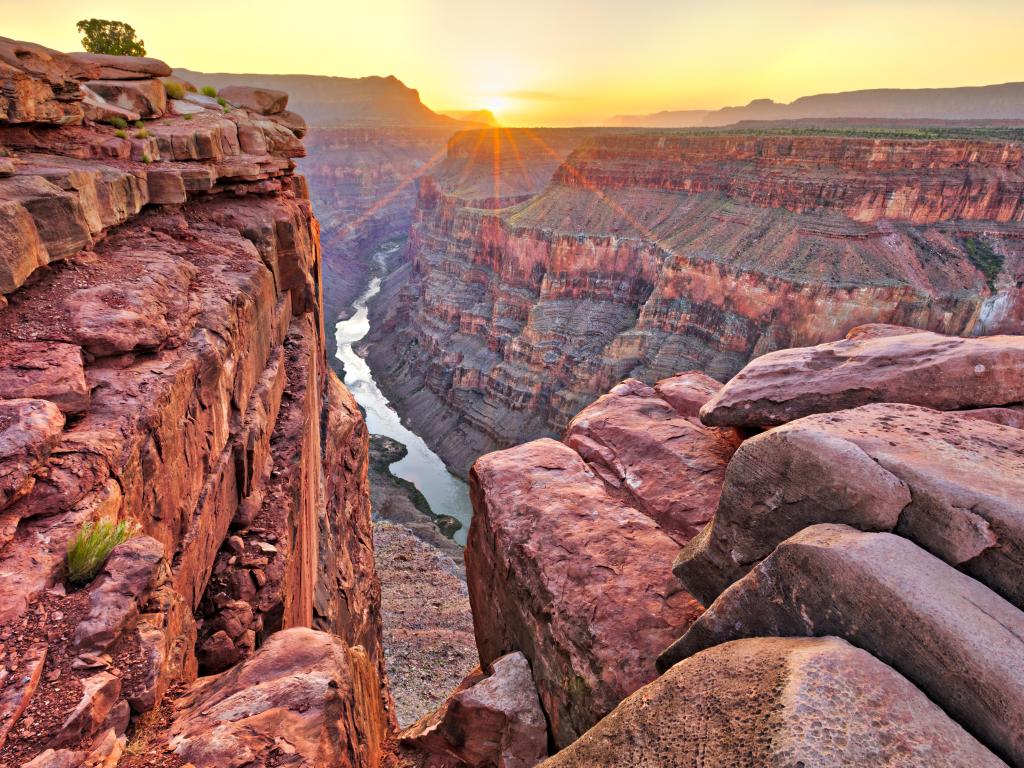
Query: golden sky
[(571, 62)]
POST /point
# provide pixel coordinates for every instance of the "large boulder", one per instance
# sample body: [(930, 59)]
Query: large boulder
[(947, 633), (953, 485), (264, 101), (40, 85), (778, 702), (578, 581), (664, 464), (298, 701), (490, 721), (122, 67), (145, 97), (941, 372), (131, 572)]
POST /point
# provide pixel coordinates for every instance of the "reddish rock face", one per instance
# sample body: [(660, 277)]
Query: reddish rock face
[(648, 255), (264, 101), (953, 485), (941, 372), (489, 721), (948, 634), (162, 291), (753, 702), (663, 463), (576, 580), (300, 697)]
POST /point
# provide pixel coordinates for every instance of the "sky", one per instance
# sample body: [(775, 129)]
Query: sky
[(571, 62)]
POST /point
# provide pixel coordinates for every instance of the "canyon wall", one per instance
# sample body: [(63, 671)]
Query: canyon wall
[(647, 253), (162, 364), (362, 182)]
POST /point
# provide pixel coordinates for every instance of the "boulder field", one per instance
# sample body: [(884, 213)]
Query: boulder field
[(538, 277), (850, 578)]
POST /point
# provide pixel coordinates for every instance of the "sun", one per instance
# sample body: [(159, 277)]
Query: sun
[(496, 104)]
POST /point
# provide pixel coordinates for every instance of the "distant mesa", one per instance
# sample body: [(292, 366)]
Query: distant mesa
[(329, 101), (986, 102), (483, 117)]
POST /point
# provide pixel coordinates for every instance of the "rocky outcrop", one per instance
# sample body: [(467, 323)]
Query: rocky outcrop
[(647, 254), (668, 466), (772, 701), (162, 363), (874, 364), (489, 721), (299, 701), (947, 633), (884, 534), (953, 485)]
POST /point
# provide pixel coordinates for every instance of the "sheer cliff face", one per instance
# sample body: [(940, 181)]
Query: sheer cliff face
[(162, 362), (650, 253)]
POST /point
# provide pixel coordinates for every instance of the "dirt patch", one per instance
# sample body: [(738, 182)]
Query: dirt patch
[(428, 628)]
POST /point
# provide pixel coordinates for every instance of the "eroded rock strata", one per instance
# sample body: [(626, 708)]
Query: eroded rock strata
[(162, 363), (650, 253)]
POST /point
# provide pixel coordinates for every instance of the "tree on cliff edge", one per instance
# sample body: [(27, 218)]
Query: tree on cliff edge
[(113, 37)]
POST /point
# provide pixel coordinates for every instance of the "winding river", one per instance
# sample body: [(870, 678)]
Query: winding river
[(446, 494)]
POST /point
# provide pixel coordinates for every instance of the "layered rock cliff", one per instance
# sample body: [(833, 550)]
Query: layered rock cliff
[(649, 253), (162, 364)]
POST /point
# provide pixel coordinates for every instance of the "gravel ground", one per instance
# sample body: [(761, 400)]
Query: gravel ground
[(428, 628)]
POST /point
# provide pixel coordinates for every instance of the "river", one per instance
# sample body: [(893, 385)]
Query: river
[(446, 494)]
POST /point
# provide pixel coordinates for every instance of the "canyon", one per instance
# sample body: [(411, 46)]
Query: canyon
[(541, 273), (817, 561)]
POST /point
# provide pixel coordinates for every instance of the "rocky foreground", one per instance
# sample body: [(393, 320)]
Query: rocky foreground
[(540, 277)]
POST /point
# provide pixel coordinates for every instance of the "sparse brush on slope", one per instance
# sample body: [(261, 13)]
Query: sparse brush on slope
[(92, 545)]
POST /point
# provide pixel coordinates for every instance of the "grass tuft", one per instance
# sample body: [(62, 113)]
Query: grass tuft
[(174, 90), (209, 90), (92, 545), (118, 122), (142, 134), (121, 134)]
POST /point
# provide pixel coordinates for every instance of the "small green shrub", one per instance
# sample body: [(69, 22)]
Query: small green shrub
[(92, 545), (209, 90), (139, 124), (143, 134), (118, 122), (147, 159), (174, 90), (188, 116), (222, 101), (121, 134), (985, 259)]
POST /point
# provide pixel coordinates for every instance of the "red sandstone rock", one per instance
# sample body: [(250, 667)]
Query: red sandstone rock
[(488, 721), (131, 572), (46, 371), (298, 698), (146, 97), (688, 391), (950, 635), (666, 465), (38, 84), (953, 485), (771, 701), (29, 431), (21, 683), (122, 67), (577, 581), (942, 372), (264, 101), (100, 693)]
